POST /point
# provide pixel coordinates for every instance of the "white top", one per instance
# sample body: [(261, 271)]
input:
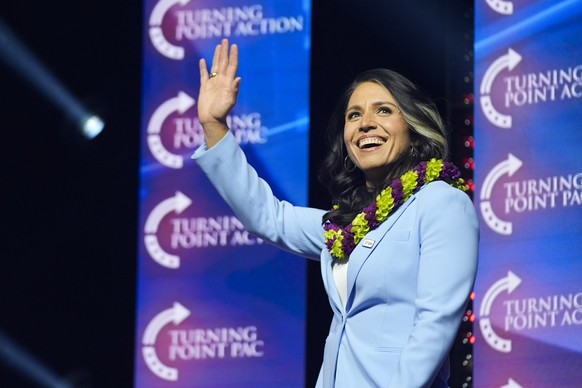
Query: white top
[(340, 278)]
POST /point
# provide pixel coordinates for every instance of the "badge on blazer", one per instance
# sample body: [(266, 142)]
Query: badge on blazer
[(367, 243)]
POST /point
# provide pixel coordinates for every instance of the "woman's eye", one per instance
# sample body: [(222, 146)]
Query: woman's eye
[(385, 110), (353, 115)]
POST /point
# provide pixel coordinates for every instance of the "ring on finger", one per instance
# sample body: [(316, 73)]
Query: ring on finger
[(213, 74)]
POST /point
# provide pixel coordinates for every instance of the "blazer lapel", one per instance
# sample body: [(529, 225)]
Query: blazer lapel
[(360, 254)]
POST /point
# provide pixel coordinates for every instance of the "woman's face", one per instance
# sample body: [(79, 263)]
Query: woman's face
[(375, 132)]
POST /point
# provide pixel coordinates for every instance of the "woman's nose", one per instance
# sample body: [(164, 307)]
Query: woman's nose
[(367, 121)]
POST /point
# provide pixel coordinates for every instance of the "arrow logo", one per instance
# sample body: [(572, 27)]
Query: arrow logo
[(508, 61), (181, 103), (509, 284), (176, 315), (511, 383), (177, 204), (501, 6), (157, 35), (509, 167)]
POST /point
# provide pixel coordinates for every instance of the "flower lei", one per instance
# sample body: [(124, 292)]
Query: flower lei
[(342, 241)]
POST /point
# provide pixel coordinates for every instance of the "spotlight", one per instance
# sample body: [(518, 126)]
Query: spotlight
[(92, 126), (15, 54)]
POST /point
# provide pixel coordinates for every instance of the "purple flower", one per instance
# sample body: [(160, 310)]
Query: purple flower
[(330, 226), (348, 244), (397, 192), (329, 244), (421, 171), (450, 172), (370, 211)]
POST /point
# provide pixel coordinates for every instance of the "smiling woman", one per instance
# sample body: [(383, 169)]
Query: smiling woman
[(398, 249), (374, 136), (385, 125), (85, 197)]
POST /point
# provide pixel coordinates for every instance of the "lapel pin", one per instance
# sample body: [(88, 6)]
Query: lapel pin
[(367, 243)]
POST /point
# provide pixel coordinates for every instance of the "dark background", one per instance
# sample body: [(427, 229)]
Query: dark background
[(68, 208)]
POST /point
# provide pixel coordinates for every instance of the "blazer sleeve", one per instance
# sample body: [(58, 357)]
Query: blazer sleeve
[(449, 234), (293, 228)]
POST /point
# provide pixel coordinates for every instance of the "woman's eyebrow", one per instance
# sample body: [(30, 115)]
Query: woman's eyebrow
[(377, 103)]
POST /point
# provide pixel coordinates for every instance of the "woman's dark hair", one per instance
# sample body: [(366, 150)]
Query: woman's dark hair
[(428, 140)]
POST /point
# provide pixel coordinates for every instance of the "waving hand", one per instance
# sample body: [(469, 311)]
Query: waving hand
[(218, 91)]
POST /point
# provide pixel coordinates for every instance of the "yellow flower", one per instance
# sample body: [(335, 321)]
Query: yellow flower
[(385, 203), (408, 183), (360, 227), (461, 185), (433, 170), (336, 249), (329, 234)]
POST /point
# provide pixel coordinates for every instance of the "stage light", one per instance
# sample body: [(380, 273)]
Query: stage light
[(22, 362), (92, 126), (24, 62)]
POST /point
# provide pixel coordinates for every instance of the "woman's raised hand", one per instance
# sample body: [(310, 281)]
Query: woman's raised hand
[(218, 91)]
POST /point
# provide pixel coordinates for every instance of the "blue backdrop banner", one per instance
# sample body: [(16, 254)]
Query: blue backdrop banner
[(528, 119), (217, 307)]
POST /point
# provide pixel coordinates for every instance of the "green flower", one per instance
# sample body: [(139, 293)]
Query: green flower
[(433, 170), (360, 227), (385, 203), (409, 182), (336, 249), (329, 234), (460, 184)]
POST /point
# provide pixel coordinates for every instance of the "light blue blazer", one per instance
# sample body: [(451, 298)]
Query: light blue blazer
[(406, 292)]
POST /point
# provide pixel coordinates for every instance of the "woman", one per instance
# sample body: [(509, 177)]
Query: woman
[(398, 250)]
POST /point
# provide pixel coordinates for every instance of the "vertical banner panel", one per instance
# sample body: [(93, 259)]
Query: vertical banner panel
[(528, 131), (217, 307)]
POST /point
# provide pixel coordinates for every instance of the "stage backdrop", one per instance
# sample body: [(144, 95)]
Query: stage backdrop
[(217, 307), (528, 130)]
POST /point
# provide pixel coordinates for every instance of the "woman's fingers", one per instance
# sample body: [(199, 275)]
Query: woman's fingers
[(219, 86), (215, 59), (232, 62), (203, 71), (237, 84), (223, 59), (223, 62)]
